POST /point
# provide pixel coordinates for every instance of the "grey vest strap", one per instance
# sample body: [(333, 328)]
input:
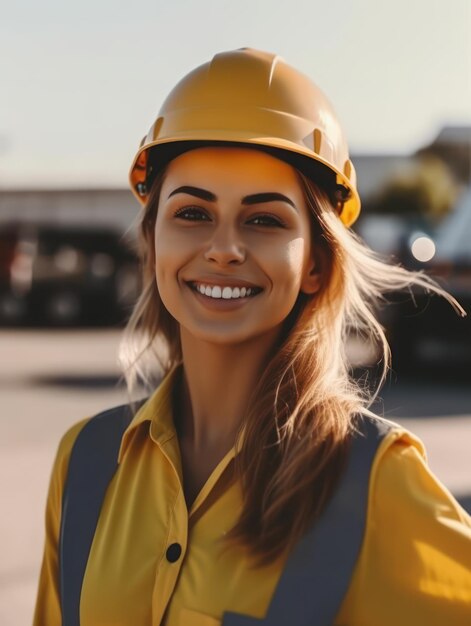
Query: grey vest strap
[(92, 464), (317, 574)]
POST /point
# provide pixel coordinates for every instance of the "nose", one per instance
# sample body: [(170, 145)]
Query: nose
[(225, 247)]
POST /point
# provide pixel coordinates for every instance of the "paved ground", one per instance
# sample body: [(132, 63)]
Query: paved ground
[(49, 380)]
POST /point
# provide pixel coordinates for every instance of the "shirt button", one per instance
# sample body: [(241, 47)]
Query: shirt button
[(173, 552)]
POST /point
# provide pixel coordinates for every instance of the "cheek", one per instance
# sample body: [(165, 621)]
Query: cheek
[(283, 265), (290, 261), (164, 271), (165, 255), (295, 252)]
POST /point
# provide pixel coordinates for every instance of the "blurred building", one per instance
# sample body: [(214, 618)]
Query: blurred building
[(375, 170), (115, 208), (453, 146)]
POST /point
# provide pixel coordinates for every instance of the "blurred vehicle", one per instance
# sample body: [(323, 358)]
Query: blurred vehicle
[(389, 234), (65, 275), (424, 328)]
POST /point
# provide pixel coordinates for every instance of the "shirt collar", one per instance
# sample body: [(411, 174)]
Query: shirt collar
[(157, 410)]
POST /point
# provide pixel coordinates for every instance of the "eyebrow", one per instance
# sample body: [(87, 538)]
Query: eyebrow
[(256, 198)]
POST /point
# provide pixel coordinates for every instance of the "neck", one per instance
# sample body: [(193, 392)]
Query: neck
[(216, 387)]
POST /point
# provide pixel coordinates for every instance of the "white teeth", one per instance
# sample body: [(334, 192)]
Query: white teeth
[(227, 293)]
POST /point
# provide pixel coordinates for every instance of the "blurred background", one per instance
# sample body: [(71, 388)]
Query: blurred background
[(82, 83)]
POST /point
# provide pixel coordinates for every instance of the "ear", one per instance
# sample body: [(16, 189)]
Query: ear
[(311, 282)]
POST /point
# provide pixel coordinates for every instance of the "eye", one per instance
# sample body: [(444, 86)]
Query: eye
[(267, 220), (192, 214)]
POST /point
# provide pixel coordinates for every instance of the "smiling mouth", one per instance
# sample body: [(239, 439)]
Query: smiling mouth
[(221, 292)]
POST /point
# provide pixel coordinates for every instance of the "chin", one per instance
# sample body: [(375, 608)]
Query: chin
[(225, 336)]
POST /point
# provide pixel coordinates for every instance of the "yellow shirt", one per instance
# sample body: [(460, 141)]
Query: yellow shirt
[(413, 570)]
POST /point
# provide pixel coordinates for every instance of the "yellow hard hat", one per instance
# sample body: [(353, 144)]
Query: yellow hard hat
[(252, 97)]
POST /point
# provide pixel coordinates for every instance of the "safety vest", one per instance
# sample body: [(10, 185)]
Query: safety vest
[(318, 571)]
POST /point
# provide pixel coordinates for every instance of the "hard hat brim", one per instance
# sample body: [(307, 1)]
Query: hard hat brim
[(193, 140)]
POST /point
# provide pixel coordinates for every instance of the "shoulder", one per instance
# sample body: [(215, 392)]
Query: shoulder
[(411, 515), (98, 424), (377, 443), (387, 432), (59, 474), (66, 445), (414, 563), (401, 477), (399, 452), (402, 484), (413, 518)]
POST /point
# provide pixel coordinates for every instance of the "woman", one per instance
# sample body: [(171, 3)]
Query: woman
[(244, 492)]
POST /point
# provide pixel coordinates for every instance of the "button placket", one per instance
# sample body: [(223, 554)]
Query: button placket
[(169, 566)]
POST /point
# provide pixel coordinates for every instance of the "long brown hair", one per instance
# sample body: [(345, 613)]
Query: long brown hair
[(297, 431)]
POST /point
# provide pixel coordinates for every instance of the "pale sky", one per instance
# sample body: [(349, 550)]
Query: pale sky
[(81, 82)]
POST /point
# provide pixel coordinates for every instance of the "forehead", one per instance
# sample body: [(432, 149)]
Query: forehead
[(244, 167)]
